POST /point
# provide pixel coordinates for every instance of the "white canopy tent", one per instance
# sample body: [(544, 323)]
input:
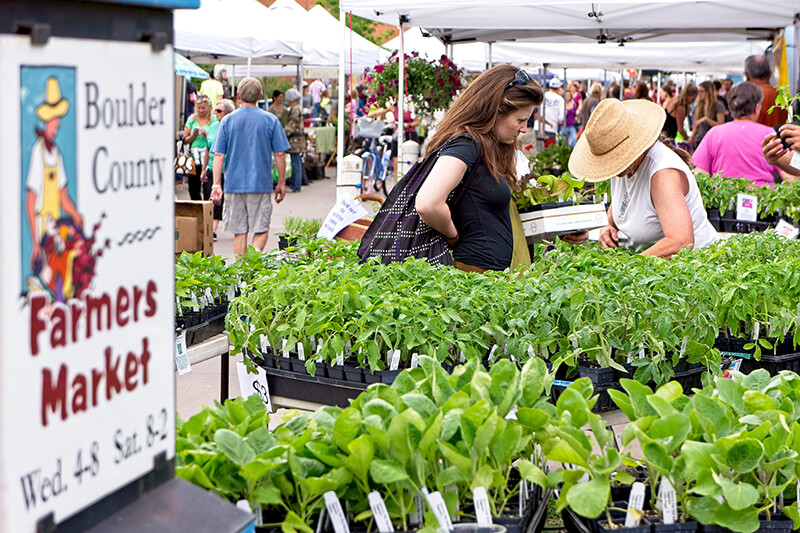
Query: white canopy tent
[(234, 32), (321, 42), (581, 20)]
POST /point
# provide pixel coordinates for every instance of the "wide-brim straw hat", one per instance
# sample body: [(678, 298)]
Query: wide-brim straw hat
[(615, 136), (54, 105)]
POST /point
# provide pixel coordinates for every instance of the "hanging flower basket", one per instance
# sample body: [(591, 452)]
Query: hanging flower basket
[(430, 85)]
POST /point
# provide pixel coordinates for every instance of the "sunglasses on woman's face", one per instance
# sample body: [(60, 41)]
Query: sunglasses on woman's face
[(219, 111), (520, 77)]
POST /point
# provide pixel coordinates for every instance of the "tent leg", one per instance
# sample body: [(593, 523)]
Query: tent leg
[(340, 112)]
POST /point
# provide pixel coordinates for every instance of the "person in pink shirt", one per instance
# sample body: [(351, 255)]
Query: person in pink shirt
[(734, 148)]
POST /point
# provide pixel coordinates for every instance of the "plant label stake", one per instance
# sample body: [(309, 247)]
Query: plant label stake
[(301, 351), (379, 511), (340, 359), (231, 293), (395, 360), (481, 501), (264, 343), (322, 521), (684, 344), (746, 207), (669, 509), (756, 330), (178, 307), (181, 357), (790, 231), (285, 352), (334, 506), (531, 354), (636, 504), (491, 352), (195, 305), (348, 348), (414, 360), (419, 509), (461, 357), (439, 509), (209, 296)]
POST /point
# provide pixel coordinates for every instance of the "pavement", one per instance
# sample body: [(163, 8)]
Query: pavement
[(201, 386)]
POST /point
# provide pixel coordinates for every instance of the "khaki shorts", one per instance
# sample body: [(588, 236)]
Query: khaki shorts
[(247, 212)]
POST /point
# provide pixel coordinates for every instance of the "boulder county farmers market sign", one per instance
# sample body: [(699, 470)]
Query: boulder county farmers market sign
[(86, 281)]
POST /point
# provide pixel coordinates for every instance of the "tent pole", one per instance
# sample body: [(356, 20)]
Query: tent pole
[(249, 61), (300, 78), (543, 107), (401, 88), (658, 92), (564, 85), (621, 83), (793, 83), (340, 112)]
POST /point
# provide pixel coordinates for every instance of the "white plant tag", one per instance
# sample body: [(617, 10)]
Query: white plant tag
[(641, 353), (178, 307), (462, 358), (756, 329), (439, 508), (319, 347), (231, 293), (636, 501), (334, 507), (242, 284), (301, 351), (380, 513), (195, 304), (348, 348), (414, 360), (790, 231), (264, 343), (394, 362), (491, 352), (746, 207), (481, 501), (418, 514), (181, 356), (340, 359), (669, 509), (250, 384), (284, 351), (531, 354), (795, 161), (209, 296), (684, 344), (252, 326)]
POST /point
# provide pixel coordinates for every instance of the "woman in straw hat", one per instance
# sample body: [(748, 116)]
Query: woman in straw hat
[(479, 134), (654, 196)]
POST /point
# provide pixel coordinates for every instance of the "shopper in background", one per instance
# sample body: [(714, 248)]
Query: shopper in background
[(721, 99), (727, 85), (553, 109), (223, 107), (246, 141), (709, 112), (479, 134), (297, 137), (570, 124), (578, 98), (277, 108), (667, 93), (195, 135), (595, 95), (641, 92), (212, 88), (757, 72), (734, 148), (655, 201), (677, 109)]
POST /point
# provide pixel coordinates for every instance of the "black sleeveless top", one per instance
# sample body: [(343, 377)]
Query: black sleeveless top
[(481, 215), (670, 126)]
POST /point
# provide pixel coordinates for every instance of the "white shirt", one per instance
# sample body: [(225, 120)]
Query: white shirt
[(553, 112), (632, 206), (40, 157)]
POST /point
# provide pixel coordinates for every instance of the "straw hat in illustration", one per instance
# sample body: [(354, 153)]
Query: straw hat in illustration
[(54, 106)]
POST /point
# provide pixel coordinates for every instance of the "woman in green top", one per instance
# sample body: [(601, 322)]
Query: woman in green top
[(222, 108), (195, 134)]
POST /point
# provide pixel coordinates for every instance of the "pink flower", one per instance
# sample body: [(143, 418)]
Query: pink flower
[(379, 68)]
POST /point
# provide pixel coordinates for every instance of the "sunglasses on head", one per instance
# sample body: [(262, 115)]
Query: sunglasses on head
[(520, 77)]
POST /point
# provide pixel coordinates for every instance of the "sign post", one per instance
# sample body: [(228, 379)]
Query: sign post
[(87, 396)]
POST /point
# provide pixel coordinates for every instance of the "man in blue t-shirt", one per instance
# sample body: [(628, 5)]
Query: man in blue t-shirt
[(247, 139)]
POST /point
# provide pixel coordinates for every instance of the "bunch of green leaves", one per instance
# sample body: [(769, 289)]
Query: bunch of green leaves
[(195, 273), (552, 159), (299, 227), (784, 100), (546, 189)]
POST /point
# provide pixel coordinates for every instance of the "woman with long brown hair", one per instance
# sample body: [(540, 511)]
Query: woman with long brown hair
[(709, 112), (478, 139), (677, 109)]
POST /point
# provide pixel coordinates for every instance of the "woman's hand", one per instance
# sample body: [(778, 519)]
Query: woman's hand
[(773, 149), (608, 237), (578, 237), (791, 134)]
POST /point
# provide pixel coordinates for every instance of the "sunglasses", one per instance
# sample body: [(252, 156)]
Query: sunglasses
[(520, 77), (219, 111)]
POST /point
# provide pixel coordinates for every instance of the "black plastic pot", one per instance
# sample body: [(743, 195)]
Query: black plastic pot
[(680, 527), (597, 375), (284, 242), (778, 524), (297, 365), (354, 374), (334, 372), (602, 526)]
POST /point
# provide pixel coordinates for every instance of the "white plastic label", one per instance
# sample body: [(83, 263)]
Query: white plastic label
[(178, 307), (795, 161), (790, 231), (340, 359), (256, 383), (264, 343), (334, 507), (231, 293), (530, 352), (756, 329), (418, 514), (636, 501), (669, 509), (481, 501), (462, 358), (195, 304), (684, 344), (394, 361), (491, 352), (380, 513), (285, 352), (348, 348), (209, 296), (301, 351), (414, 360), (746, 207), (181, 356), (439, 508), (641, 353)]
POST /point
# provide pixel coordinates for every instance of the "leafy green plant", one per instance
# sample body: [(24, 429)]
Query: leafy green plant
[(784, 100), (553, 158), (299, 227), (547, 188)]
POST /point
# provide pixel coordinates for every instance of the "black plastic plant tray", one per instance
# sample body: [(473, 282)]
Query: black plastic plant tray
[(314, 389)]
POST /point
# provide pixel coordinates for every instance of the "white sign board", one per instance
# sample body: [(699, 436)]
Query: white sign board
[(251, 384), (345, 212), (86, 281), (746, 207)]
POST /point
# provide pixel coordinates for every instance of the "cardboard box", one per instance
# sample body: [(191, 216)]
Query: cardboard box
[(547, 224), (202, 213)]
